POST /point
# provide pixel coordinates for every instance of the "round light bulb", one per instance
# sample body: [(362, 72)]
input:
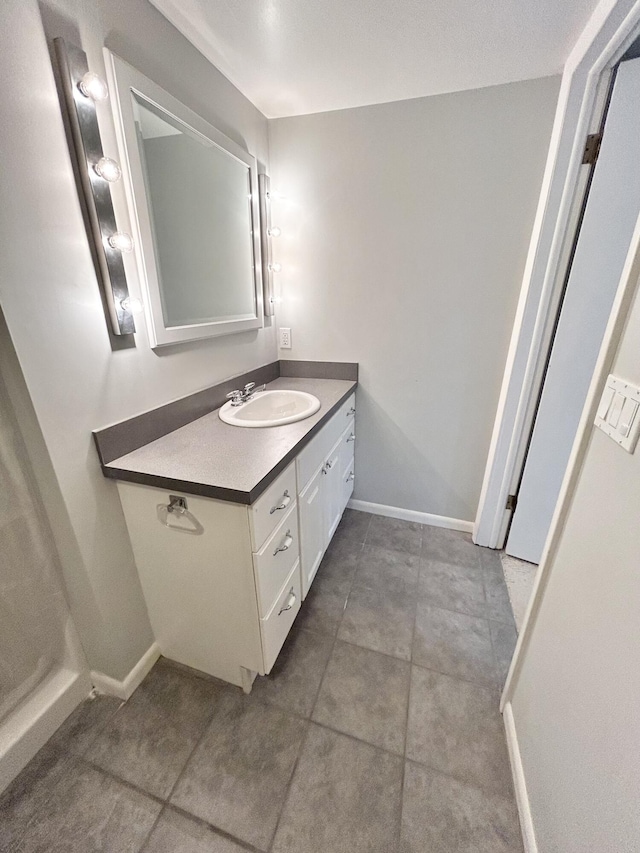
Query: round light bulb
[(275, 232), (276, 267), (121, 241), (131, 304), (108, 169), (92, 86)]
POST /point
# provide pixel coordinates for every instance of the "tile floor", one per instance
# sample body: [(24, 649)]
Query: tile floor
[(377, 732), (520, 577)]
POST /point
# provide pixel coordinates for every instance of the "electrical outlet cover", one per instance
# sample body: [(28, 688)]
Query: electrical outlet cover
[(285, 338)]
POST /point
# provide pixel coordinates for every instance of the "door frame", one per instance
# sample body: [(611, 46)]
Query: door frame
[(581, 104)]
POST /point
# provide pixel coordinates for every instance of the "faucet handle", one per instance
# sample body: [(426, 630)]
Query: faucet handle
[(249, 387), (235, 397)]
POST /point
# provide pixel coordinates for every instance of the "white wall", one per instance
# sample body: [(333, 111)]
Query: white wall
[(50, 296), (405, 233), (577, 695)]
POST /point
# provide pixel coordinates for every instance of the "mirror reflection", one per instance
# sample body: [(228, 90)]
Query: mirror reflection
[(199, 199)]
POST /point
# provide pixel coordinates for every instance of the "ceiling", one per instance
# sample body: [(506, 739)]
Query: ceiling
[(291, 57)]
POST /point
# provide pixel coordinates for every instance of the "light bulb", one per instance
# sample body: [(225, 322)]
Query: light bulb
[(276, 267), (275, 232), (108, 169), (92, 86), (121, 241), (131, 304)]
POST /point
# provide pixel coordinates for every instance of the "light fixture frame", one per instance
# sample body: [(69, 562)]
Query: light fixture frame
[(83, 118), (264, 191)]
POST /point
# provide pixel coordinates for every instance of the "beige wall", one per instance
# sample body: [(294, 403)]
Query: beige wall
[(576, 703), (405, 233), (50, 296)]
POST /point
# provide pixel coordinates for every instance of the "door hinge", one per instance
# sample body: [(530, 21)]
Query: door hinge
[(592, 148), (512, 502)]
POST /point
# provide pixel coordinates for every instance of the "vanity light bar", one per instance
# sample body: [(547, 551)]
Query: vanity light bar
[(82, 89), (266, 232)]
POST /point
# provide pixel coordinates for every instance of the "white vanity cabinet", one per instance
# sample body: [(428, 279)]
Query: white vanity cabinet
[(325, 472), (223, 581)]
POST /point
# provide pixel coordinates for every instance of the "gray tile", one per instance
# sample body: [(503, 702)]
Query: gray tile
[(382, 621), (365, 694), (454, 587), (91, 812), (450, 546), (454, 643), (504, 638), (455, 727), (496, 593), (323, 607), (30, 791), (387, 571), (338, 565), (354, 525), (395, 534), (148, 741), (80, 729), (490, 560), (176, 833), (237, 778), (443, 815), (294, 681), (344, 798)]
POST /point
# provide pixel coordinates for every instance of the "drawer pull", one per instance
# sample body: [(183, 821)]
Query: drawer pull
[(351, 411), (291, 600), (288, 542), (351, 438), (286, 500), (351, 476)]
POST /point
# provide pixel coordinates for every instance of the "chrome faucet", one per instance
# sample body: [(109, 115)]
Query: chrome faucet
[(239, 397)]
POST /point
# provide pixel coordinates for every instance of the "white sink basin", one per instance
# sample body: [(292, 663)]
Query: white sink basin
[(271, 408)]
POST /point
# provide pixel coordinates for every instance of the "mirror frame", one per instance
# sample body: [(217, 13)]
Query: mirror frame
[(125, 81)]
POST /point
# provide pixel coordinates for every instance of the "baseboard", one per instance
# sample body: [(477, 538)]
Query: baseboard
[(28, 728), (519, 783), (123, 689), (412, 515)]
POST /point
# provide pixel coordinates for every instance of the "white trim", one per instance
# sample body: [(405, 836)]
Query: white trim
[(519, 782), (412, 515), (608, 33), (123, 689), (615, 328)]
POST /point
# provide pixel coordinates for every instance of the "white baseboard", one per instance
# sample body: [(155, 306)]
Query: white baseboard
[(412, 515), (123, 689), (519, 782)]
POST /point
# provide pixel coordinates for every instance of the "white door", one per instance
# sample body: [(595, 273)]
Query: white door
[(610, 216), (311, 505)]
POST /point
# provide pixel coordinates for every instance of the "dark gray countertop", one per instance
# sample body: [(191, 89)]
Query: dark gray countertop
[(208, 457)]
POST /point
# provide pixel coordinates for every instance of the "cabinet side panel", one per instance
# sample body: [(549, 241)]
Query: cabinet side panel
[(198, 587)]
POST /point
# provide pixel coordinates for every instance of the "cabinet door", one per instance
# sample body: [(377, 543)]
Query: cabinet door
[(333, 499), (311, 508)]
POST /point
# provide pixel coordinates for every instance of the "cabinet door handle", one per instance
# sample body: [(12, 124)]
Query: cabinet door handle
[(288, 542), (329, 466), (351, 411), (351, 476), (286, 500), (351, 438), (291, 600)]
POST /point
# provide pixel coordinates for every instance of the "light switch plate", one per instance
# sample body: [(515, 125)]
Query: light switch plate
[(619, 412)]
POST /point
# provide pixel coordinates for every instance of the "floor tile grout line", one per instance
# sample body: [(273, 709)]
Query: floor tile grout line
[(222, 833), (309, 719), (482, 788)]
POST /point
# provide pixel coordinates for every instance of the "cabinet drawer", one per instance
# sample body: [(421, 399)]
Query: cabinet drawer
[(274, 561), (314, 454), (277, 624), (267, 512)]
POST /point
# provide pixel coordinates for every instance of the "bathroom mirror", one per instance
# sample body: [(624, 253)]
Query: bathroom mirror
[(193, 202)]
